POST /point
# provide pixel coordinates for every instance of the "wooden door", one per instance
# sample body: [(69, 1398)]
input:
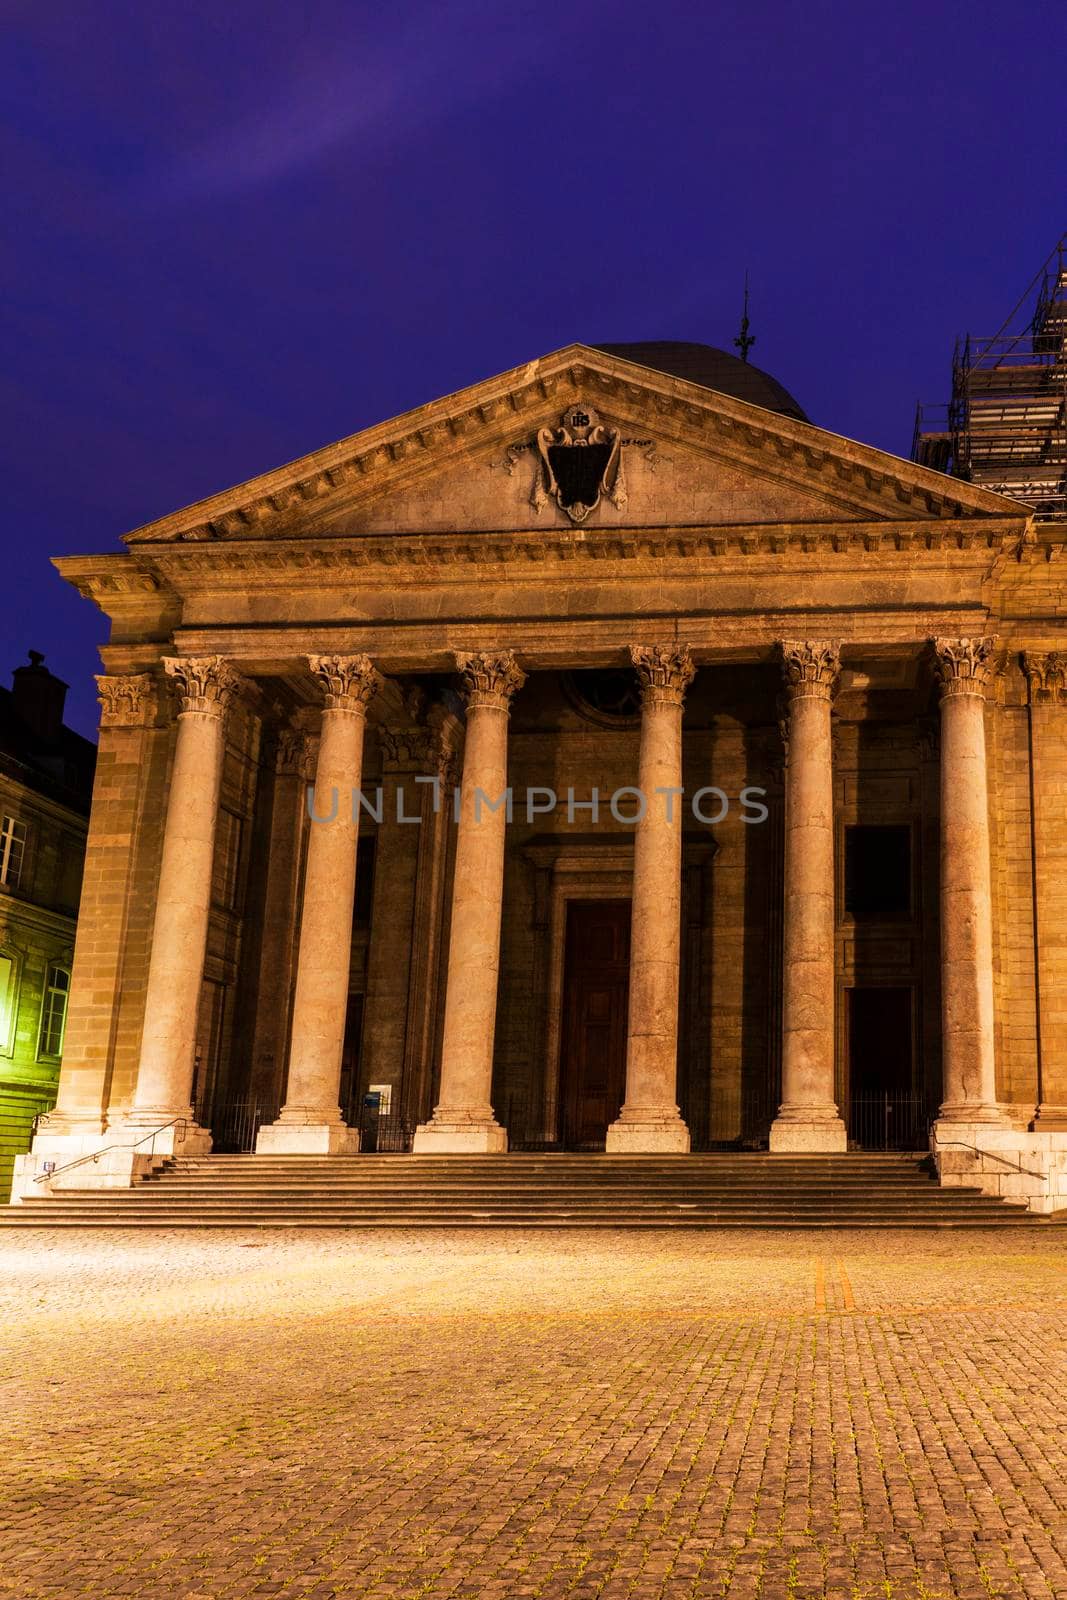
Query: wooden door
[(596, 982)]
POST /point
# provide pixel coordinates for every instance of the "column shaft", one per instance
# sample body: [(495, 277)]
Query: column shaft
[(970, 1091), (310, 1121), (808, 1118), (650, 1119), (463, 1119), (183, 895)]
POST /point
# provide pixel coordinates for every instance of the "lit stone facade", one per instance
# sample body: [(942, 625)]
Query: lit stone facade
[(831, 684)]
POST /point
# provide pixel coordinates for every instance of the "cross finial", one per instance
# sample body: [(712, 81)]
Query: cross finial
[(745, 340)]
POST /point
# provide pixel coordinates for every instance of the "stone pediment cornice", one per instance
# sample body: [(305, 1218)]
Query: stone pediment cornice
[(181, 569), (392, 455)]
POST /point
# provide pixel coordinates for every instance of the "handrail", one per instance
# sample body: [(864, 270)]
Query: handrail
[(959, 1144), (94, 1155)]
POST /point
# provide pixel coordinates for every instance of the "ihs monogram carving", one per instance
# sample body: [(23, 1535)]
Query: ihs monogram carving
[(1046, 674), (665, 672), (490, 677), (349, 683), (127, 700), (205, 684), (578, 462), (811, 667), (964, 666)]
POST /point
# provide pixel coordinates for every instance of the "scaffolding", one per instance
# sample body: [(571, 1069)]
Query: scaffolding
[(1005, 427)]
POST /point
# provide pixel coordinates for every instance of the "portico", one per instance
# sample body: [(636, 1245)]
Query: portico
[(338, 703)]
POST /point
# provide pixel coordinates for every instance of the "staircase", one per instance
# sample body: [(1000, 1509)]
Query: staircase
[(725, 1190)]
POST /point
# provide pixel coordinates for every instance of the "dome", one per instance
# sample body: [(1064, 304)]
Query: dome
[(711, 369)]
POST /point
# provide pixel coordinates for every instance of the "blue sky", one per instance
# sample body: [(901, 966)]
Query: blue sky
[(238, 233)]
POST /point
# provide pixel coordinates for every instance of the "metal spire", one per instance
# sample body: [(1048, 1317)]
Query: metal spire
[(745, 340)]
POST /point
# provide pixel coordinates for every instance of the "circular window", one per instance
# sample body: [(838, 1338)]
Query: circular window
[(610, 696)]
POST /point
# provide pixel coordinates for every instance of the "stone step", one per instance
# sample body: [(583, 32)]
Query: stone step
[(559, 1162), (587, 1196), (1005, 1218), (303, 1205), (718, 1190), (283, 1206)]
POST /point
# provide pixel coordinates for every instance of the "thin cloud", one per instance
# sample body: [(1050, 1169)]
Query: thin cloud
[(374, 92)]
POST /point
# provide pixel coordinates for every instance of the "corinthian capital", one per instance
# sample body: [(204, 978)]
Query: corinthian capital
[(964, 666), (490, 677), (205, 684), (348, 683), (665, 672), (810, 667), (127, 700), (1046, 674)]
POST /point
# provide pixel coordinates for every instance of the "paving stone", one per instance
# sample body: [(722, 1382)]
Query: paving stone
[(612, 1415)]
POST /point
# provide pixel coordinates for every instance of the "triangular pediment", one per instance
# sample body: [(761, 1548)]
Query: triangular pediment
[(687, 457)]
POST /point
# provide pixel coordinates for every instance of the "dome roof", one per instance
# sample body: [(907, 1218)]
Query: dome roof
[(712, 369)]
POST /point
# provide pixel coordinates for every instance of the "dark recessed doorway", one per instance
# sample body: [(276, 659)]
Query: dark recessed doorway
[(596, 983), (885, 1112)]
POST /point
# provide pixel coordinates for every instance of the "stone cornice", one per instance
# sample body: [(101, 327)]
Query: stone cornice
[(382, 459), (175, 570)]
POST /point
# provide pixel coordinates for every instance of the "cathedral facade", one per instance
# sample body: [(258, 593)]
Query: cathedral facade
[(601, 758)]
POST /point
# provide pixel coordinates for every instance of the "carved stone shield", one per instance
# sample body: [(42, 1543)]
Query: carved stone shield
[(578, 462)]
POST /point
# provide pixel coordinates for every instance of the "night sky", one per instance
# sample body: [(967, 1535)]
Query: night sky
[(238, 232)]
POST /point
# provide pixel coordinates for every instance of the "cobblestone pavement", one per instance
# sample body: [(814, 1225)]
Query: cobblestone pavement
[(601, 1415)]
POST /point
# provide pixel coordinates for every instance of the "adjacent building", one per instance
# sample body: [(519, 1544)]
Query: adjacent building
[(46, 780), (708, 774)]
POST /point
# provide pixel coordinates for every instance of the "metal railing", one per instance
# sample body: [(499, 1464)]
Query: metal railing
[(888, 1121), (994, 1155), (234, 1126), (94, 1155), (382, 1133)]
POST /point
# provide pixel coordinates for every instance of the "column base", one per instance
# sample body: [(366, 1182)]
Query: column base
[(969, 1112), (442, 1136), (160, 1132), (1050, 1119), (801, 1133), (646, 1134), (310, 1133)]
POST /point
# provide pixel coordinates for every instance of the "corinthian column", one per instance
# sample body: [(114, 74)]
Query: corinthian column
[(808, 1118), (310, 1121), (183, 897), (969, 1082), (650, 1119), (463, 1118)]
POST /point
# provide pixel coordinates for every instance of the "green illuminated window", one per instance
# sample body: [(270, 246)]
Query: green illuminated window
[(7, 1001), (54, 1012), (12, 850)]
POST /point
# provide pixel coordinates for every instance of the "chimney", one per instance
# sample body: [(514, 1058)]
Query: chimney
[(39, 698)]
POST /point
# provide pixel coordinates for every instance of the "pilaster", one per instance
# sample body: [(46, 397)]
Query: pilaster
[(1046, 676)]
